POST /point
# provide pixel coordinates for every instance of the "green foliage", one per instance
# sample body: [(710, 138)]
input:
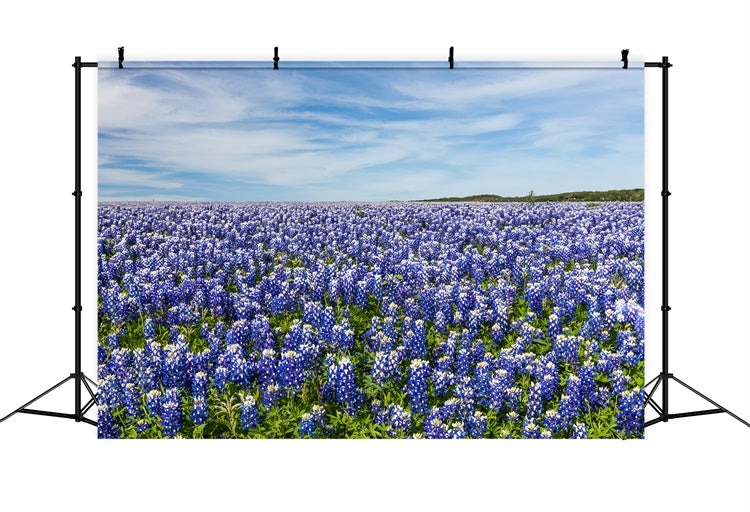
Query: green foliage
[(592, 198)]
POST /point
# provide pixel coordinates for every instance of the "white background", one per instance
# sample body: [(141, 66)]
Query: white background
[(689, 464)]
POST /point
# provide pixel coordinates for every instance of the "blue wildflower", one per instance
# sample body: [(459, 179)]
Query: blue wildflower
[(419, 370), (249, 417), (171, 415)]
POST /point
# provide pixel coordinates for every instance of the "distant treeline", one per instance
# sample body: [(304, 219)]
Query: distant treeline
[(635, 194)]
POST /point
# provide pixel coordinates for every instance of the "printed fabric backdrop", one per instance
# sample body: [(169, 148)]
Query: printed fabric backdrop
[(370, 250)]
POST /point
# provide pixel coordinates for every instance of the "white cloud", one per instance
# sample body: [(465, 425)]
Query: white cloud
[(133, 178)]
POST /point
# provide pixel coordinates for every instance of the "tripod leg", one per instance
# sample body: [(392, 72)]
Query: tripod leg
[(658, 377), (50, 390), (88, 388), (90, 422), (704, 397)]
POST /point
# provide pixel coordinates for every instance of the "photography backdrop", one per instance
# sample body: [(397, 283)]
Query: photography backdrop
[(371, 249), (708, 138)]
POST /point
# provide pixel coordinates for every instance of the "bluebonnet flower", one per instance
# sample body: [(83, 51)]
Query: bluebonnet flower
[(496, 393), (395, 418), (618, 382), (106, 425), (586, 376), (171, 415), (199, 414), (311, 313), (376, 407), (482, 382), (565, 348), (531, 430), (445, 364), (548, 380), (389, 328), (416, 340), (457, 430), (345, 385), (392, 310), (311, 422), (141, 425), (476, 424), (497, 334), (441, 322), (249, 416), (266, 367), (534, 294), (200, 383), (580, 431), (109, 391), (463, 363), (130, 400), (554, 326), (630, 408), (153, 403), (271, 395), (290, 370), (260, 334), (553, 420), (419, 370), (534, 402), (464, 391), (434, 428), (328, 389), (174, 368), (384, 367), (221, 377), (149, 329), (442, 382), (343, 336), (512, 397)]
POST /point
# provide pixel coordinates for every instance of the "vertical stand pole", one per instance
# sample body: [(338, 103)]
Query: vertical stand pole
[(77, 193), (665, 237)]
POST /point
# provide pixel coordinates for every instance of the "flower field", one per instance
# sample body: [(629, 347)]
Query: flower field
[(371, 320)]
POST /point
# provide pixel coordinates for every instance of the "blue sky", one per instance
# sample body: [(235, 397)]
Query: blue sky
[(345, 133)]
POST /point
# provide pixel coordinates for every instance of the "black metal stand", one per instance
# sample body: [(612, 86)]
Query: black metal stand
[(78, 376), (665, 376), (660, 380)]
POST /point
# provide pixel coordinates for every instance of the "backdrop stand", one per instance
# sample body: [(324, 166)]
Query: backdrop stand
[(80, 380), (662, 379), (665, 376)]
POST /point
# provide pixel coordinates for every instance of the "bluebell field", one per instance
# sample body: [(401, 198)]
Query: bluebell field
[(371, 320)]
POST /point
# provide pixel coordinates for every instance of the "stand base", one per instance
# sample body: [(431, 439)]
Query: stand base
[(78, 416), (663, 417)]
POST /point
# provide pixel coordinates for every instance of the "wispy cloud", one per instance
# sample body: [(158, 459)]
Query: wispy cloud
[(366, 134)]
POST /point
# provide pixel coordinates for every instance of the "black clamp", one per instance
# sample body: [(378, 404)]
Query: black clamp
[(624, 58), (275, 57), (77, 308), (666, 193), (666, 308), (120, 56), (450, 57), (77, 193)]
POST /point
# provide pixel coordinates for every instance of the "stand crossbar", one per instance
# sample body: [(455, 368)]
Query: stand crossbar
[(665, 376), (78, 377)]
